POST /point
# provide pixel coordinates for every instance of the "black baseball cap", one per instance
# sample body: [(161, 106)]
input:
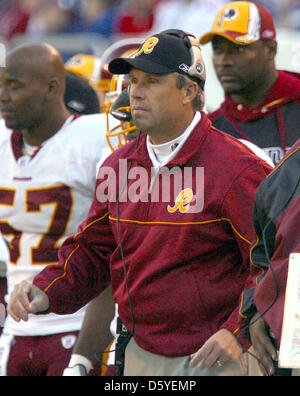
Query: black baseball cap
[(80, 97), (165, 53)]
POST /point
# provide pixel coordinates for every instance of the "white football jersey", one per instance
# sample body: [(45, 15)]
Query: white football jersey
[(3, 257), (43, 200)]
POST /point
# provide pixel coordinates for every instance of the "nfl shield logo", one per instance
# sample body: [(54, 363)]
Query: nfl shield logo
[(68, 341)]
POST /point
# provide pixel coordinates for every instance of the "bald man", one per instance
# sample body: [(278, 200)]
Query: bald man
[(47, 180), (35, 79)]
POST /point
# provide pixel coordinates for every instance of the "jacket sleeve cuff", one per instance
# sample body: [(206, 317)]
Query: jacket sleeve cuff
[(239, 331)]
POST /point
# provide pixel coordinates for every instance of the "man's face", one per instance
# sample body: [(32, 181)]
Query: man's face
[(156, 103), (22, 95), (239, 68)]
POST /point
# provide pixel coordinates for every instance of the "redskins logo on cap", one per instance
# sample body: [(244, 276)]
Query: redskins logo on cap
[(228, 15), (148, 46)]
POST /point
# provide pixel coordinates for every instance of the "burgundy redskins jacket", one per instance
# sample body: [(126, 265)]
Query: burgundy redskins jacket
[(186, 255), (277, 224)]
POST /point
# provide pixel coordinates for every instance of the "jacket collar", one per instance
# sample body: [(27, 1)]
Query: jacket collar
[(285, 89), (187, 152)]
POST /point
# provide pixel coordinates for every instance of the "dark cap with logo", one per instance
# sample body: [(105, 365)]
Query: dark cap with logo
[(167, 52)]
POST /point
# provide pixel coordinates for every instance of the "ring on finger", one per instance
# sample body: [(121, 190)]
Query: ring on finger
[(219, 363)]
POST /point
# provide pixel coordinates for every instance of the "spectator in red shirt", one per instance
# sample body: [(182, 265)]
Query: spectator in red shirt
[(135, 17), (14, 19)]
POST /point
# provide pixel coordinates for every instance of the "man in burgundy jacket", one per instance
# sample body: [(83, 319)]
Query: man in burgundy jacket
[(262, 104), (276, 220), (170, 227)]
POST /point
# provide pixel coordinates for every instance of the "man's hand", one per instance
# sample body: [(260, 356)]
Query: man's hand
[(219, 349), (262, 344), (27, 298)]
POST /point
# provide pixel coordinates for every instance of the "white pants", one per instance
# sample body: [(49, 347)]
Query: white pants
[(5, 345)]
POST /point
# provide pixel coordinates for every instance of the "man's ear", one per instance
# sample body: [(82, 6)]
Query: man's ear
[(53, 87), (191, 91), (272, 49)]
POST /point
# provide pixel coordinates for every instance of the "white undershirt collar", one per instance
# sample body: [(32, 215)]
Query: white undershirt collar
[(161, 154)]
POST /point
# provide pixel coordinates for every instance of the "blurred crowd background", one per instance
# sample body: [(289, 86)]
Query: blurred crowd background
[(112, 18), (90, 26)]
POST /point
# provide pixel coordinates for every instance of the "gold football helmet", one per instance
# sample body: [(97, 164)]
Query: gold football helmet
[(119, 127), (95, 71), (88, 67)]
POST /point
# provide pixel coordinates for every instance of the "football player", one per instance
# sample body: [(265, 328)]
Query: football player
[(47, 184)]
